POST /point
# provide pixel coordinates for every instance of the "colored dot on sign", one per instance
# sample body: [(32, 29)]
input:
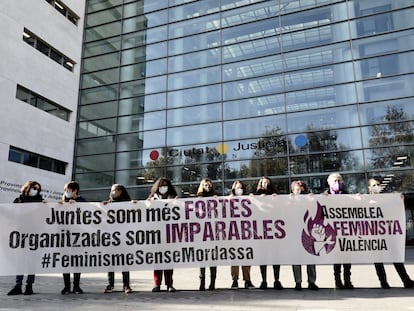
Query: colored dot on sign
[(301, 140), (154, 155), (222, 148)]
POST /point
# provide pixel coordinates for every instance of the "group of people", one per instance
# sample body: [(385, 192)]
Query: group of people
[(163, 189)]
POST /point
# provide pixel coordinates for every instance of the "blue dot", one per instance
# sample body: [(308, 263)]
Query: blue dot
[(301, 140)]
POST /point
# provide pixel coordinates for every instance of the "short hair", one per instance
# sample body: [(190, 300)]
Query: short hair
[(334, 176), (72, 185), (299, 183)]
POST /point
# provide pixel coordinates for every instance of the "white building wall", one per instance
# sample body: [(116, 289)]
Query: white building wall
[(25, 126)]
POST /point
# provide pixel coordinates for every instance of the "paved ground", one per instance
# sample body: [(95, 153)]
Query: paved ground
[(366, 296)]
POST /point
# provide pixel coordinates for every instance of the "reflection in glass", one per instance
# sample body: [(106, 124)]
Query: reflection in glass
[(194, 115), (255, 127)]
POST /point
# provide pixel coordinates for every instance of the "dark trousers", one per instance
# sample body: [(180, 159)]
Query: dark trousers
[(76, 279), (399, 267), (347, 271), (168, 274), (276, 272), (125, 278), (213, 273), (30, 279)]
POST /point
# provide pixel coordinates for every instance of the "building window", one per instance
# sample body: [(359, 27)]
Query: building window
[(46, 49), (65, 11), (36, 160), (42, 103)]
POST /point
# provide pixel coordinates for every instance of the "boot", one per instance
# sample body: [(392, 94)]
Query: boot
[(66, 280), (347, 277), (16, 290), (28, 290), (212, 285), (202, 284), (338, 282), (76, 282)]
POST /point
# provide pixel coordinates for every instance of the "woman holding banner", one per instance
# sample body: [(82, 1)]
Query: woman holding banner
[(374, 187), (29, 193), (336, 186), (237, 189), (206, 189), (71, 195), (265, 187), (299, 187), (161, 190), (118, 194)]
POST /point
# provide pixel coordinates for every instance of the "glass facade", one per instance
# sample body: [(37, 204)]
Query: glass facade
[(231, 89)]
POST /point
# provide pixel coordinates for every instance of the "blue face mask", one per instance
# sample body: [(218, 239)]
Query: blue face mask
[(68, 195)]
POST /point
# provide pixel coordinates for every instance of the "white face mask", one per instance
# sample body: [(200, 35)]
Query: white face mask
[(112, 195), (163, 189), (68, 194), (296, 191), (264, 185), (376, 189), (33, 192), (238, 191)]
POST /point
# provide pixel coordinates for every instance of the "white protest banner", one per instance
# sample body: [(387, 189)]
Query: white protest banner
[(198, 232)]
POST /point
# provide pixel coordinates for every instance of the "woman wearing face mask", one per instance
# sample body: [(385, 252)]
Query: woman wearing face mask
[(336, 186), (206, 189), (161, 190), (265, 187), (118, 194), (29, 193), (296, 188), (374, 187), (238, 189), (71, 195)]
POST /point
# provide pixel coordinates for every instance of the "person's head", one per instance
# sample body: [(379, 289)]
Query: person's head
[(374, 186), (71, 190), (264, 185), (298, 187), (206, 188), (335, 182), (163, 188), (238, 188), (31, 189), (119, 193)]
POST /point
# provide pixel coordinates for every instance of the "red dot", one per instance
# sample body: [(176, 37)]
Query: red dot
[(154, 155)]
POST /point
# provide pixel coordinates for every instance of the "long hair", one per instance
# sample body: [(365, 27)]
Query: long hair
[(124, 196), (171, 192), (269, 188), (202, 193), (24, 190), (235, 183)]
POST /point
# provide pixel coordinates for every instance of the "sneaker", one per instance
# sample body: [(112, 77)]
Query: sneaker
[(28, 290), (171, 289), (248, 285), (277, 285), (17, 290), (156, 289), (235, 285), (298, 286), (313, 286), (77, 290), (127, 289), (109, 289)]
